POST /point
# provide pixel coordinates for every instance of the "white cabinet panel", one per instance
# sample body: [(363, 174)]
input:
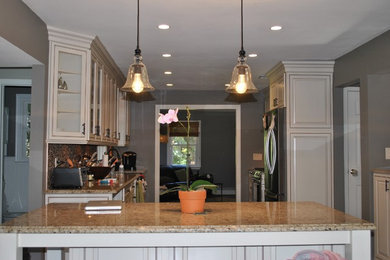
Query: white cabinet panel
[(311, 174), (310, 101), (382, 216)]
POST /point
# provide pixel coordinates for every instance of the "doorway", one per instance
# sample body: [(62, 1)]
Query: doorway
[(352, 151), (15, 114), (235, 111)]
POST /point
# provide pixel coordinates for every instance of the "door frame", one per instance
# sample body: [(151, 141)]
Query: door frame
[(346, 168), (236, 108), (3, 84)]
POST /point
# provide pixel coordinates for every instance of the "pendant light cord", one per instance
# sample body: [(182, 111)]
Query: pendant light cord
[(137, 50), (242, 52)]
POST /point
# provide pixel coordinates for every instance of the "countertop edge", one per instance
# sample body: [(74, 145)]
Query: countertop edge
[(189, 229)]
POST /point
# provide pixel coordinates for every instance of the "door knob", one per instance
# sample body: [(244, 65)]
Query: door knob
[(353, 172)]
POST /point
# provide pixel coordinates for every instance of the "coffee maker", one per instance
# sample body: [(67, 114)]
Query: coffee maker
[(128, 159)]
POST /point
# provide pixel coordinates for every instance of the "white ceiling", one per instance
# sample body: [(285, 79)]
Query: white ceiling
[(12, 56), (204, 38)]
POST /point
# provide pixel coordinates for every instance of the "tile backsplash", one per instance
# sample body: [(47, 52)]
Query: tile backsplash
[(66, 151)]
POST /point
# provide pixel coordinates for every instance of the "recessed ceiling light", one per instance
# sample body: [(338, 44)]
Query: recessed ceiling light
[(169, 85), (252, 55), (163, 27), (276, 28), (167, 72), (227, 85), (166, 55)]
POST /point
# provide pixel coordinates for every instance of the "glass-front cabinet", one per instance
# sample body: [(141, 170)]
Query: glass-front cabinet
[(68, 93), (82, 95)]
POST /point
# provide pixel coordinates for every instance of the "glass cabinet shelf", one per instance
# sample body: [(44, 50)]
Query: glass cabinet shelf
[(68, 111), (65, 91), (68, 72)]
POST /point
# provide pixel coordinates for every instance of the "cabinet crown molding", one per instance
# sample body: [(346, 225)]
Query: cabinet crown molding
[(302, 67), (69, 37)]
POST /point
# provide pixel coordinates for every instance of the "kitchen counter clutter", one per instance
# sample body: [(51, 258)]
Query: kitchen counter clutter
[(124, 190), (156, 230)]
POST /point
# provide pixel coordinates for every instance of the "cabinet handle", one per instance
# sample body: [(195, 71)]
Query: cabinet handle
[(119, 136), (386, 185), (83, 129), (97, 130)]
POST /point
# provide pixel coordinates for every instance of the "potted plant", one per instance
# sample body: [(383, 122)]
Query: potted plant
[(192, 195)]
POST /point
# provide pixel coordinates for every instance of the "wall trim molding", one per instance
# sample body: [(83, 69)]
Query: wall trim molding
[(236, 108)]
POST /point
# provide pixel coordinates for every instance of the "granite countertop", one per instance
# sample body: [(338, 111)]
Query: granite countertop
[(385, 170), (167, 218), (95, 187)]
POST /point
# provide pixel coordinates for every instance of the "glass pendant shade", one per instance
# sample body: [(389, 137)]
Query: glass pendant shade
[(241, 79), (137, 77)]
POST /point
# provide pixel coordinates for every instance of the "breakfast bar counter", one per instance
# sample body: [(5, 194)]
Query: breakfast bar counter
[(249, 229)]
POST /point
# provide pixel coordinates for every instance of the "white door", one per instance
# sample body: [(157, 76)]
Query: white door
[(352, 168)]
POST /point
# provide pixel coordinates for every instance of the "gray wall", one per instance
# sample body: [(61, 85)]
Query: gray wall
[(24, 29), (363, 64), (143, 121), (12, 73), (338, 154)]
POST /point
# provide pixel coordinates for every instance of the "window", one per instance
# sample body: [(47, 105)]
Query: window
[(177, 146)]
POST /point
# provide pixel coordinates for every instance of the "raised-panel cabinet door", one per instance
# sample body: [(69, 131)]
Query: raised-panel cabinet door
[(310, 101), (311, 171), (382, 216), (69, 90)]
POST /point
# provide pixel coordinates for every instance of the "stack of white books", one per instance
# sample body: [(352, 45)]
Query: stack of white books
[(103, 207)]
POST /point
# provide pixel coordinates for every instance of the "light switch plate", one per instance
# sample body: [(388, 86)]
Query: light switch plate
[(257, 156), (387, 153)]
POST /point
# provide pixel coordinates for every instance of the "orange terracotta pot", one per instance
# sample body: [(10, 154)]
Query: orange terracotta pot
[(192, 201)]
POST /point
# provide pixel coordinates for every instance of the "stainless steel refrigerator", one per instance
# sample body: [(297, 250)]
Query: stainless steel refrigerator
[(274, 124)]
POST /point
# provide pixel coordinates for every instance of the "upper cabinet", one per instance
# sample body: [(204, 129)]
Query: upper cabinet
[(84, 101)]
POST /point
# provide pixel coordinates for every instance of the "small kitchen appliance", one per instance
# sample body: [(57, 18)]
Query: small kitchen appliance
[(68, 178), (129, 160)]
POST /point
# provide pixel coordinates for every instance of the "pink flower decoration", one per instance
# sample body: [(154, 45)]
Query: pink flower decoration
[(169, 117)]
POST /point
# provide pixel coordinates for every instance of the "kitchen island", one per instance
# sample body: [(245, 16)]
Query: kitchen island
[(247, 230)]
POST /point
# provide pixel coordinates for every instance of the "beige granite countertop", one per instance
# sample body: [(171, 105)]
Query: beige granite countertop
[(95, 187), (167, 218), (384, 170)]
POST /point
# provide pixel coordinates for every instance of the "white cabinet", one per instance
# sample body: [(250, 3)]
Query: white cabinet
[(305, 89), (310, 167), (310, 101), (382, 215), (83, 87)]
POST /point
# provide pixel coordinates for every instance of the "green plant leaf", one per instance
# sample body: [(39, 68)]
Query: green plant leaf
[(199, 184), (176, 188)]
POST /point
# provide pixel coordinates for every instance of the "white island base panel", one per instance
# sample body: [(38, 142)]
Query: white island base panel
[(354, 245)]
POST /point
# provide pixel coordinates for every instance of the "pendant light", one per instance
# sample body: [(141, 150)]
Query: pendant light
[(241, 77), (137, 77)]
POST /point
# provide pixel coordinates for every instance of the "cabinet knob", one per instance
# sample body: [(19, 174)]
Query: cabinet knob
[(353, 172)]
